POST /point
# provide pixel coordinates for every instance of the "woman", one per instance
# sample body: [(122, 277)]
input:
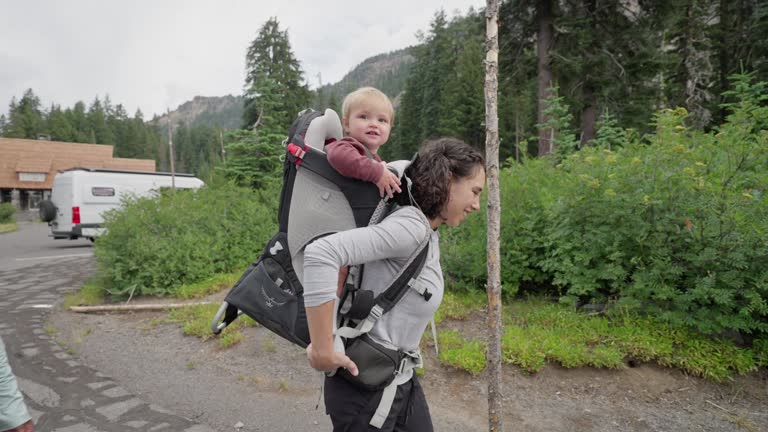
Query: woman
[(448, 177)]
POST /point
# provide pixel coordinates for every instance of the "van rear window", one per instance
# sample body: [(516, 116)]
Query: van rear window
[(103, 191)]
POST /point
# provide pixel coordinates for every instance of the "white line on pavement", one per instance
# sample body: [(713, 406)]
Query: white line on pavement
[(54, 256)]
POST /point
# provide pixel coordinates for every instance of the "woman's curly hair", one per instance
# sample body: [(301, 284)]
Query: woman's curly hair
[(436, 163)]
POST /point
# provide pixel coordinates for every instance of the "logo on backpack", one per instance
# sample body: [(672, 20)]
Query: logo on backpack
[(270, 302), (276, 248)]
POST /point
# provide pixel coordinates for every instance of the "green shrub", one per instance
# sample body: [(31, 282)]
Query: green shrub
[(672, 224), (6, 213), (154, 245)]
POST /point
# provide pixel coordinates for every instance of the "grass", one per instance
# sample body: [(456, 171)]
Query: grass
[(462, 353), (208, 286), (268, 345), (196, 321), (89, 295), (8, 227), (537, 332), (282, 386), (460, 306)]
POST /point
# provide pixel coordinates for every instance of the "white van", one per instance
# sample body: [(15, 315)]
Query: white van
[(81, 195)]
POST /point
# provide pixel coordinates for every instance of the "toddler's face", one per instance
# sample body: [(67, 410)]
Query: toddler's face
[(369, 123)]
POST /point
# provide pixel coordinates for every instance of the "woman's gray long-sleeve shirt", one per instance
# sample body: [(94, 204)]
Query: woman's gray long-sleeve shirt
[(384, 249)]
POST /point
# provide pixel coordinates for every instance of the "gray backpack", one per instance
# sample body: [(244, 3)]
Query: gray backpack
[(317, 201)]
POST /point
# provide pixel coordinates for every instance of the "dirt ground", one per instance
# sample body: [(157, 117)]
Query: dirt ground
[(244, 384)]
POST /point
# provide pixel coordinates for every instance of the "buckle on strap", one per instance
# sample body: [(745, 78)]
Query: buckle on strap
[(363, 326), (296, 151), (411, 360), (401, 368), (376, 313), (420, 288)]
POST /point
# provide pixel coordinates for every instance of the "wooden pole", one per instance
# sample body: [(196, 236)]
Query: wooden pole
[(170, 149), (493, 288), (223, 151)]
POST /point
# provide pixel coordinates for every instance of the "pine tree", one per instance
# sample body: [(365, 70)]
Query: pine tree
[(609, 135), (59, 127), (79, 121), (25, 118), (270, 57), (97, 119), (465, 104), (740, 42), (425, 109), (407, 133), (439, 64), (517, 72), (117, 121), (253, 157)]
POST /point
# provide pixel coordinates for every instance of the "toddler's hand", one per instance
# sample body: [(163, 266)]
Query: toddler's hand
[(388, 183)]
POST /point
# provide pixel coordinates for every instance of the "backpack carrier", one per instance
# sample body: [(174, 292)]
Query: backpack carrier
[(316, 201)]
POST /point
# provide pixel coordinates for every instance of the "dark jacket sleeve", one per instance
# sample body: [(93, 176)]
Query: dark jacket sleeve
[(349, 157)]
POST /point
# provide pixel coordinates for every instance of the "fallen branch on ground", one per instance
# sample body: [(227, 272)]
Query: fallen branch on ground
[(133, 307)]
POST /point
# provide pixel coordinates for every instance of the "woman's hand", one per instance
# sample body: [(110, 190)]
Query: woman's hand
[(26, 427), (329, 362)]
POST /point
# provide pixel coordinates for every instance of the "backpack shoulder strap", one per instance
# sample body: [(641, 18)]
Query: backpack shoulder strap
[(406, 279)]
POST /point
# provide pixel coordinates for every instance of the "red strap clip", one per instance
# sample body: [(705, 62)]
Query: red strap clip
[(297, 152)]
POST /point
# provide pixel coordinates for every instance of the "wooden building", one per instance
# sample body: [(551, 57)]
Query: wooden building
[(27, 167)]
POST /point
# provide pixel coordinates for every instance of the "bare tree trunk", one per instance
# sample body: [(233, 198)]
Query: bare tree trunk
[(589, 113), (697, 67), (724, 55), (495, 417), (544, 41)]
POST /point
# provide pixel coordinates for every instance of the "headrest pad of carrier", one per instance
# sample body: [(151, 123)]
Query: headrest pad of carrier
[(323, 128)]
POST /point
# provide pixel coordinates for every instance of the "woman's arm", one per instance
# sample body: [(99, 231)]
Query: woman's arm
[(320, 352), (397, 236)]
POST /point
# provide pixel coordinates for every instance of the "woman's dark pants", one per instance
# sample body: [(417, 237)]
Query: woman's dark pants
[(352, 408)]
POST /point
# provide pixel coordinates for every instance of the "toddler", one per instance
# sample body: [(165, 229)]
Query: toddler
[(367, 116)]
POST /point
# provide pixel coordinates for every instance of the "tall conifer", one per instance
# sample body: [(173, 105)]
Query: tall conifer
[(270, 57)]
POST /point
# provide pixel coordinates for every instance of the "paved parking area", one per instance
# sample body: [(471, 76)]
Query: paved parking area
[(64, 395)]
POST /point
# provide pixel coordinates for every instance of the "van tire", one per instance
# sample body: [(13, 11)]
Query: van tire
[(47, 211)]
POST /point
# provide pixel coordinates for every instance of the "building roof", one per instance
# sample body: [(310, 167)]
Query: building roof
[(19, 156)]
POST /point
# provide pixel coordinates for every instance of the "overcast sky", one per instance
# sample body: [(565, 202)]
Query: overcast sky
[(155, 55)]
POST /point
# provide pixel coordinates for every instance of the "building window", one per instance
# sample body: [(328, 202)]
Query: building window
[(103, 191), (32, 177)]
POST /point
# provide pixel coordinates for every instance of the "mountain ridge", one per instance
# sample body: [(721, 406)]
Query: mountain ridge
[(387, 72)]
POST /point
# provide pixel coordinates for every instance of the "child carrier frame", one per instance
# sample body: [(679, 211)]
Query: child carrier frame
[(315, 201)]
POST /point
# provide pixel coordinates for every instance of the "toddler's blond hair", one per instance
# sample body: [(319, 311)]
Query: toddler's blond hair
[(364, 94)]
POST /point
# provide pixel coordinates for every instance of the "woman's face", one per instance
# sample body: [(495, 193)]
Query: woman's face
[(464, 197)]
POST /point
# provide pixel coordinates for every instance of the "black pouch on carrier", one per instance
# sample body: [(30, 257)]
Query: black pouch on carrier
[(378, 365), (270, 291)]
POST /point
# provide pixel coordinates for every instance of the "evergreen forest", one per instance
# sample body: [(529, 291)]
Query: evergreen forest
[(634, 141), (567, 67)]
